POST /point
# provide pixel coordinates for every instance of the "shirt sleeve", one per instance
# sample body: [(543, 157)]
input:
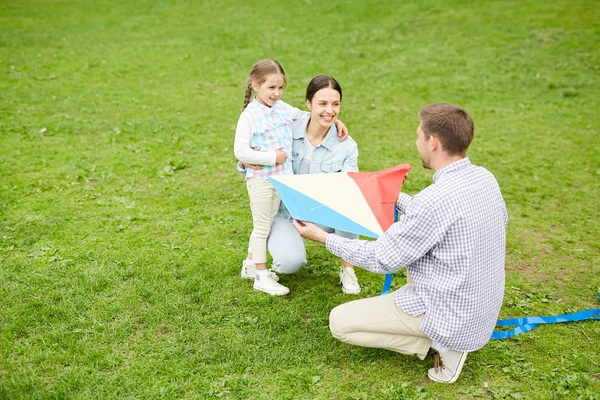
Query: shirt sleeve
[(404, 243), (241, 144), (403, 202), (293, 112), (504, 214), (241, 168)]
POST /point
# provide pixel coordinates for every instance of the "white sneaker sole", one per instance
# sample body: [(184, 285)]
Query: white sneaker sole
[(245, 275), (350, 291), (272, 293)]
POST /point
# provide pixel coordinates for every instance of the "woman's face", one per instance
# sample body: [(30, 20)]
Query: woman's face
[(324, 107)]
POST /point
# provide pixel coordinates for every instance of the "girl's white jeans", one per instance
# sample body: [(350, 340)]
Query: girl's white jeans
[(264, 203)]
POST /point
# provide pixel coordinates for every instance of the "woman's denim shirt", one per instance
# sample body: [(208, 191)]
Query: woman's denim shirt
[(329, 156)]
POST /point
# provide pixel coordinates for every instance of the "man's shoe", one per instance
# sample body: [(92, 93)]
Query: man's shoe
[(269, 285), (349, 281), (448, 365), (249, 271)]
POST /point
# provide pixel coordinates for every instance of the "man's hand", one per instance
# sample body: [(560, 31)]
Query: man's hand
[(280, 156), (310, 231), (400, 194), (342, 130)]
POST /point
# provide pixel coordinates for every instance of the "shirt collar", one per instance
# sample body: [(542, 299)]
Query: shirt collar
[(330, 139), (455, 166), (263, 109), (300, 132)]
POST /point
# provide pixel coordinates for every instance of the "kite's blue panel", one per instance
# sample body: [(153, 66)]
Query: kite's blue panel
[(304, 208)]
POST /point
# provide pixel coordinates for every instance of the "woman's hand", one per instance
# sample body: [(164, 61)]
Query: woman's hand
[(342, 130)]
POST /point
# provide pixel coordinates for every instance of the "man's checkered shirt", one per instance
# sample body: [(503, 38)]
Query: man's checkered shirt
[(452, 239)]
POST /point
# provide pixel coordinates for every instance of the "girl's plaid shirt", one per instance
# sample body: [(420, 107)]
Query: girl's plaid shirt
[(273, 130)]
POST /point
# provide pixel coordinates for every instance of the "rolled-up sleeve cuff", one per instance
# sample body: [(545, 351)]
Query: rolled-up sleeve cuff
[(241, 168), (403, 202), (333, 243)]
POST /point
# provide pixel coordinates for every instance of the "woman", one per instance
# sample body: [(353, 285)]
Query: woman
[(316, 149)]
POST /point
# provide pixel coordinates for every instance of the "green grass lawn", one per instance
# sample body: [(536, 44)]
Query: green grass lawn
[(123, 222)]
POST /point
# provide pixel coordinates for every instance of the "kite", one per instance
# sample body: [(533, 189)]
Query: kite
[(356, 202)]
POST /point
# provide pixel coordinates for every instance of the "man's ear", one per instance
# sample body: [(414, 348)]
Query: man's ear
[(434, 143)]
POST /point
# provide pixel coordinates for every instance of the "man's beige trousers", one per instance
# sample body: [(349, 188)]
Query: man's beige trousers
[(378, 322)]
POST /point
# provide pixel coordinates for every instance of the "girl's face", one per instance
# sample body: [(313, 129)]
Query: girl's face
[(271, 89), (324, 107)]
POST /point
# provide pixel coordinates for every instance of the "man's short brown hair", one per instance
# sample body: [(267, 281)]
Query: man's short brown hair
[(451, 124)]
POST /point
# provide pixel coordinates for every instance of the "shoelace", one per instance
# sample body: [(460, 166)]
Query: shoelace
[(437, 362), (348, 276)]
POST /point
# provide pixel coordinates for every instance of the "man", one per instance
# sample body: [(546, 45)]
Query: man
[(451, 238)]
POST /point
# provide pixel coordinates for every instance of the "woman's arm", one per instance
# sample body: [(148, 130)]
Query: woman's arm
[(294, 113), (297, 114), (241, 145)]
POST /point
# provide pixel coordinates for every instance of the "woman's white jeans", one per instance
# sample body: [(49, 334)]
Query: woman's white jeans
[(264, 203)]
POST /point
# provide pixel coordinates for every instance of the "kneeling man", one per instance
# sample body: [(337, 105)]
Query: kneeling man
[(451, 238)]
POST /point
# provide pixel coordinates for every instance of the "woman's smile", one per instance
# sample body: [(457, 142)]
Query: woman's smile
[(328, 118)]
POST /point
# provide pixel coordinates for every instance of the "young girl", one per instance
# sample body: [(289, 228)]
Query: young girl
[(265, 123)]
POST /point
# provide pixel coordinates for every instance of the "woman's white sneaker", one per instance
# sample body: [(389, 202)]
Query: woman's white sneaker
[(265, 283), (349, 281)]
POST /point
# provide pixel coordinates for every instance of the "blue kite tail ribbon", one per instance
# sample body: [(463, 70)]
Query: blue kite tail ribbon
[(528, 323), (387, 284)]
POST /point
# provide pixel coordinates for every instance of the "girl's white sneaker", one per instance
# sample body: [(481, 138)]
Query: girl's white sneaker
[(249, 271)]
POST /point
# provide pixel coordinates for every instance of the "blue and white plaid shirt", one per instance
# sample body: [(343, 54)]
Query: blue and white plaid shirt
[(273, 130), (452, 240)]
